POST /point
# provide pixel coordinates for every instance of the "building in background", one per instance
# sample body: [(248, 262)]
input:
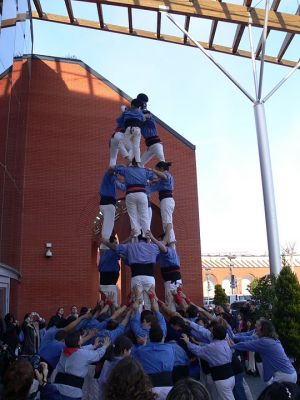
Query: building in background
[(236, 272)]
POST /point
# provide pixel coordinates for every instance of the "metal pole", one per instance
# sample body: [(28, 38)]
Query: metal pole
[(282, 81), (268, 188), (264, 38), (253, 57), (210, 57)]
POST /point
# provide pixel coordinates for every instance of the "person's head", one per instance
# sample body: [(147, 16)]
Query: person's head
[(112, 325), (177, 323), (128, 381), (142, 97), (147, 318), (27, 317), (239, 317), (202, 321), (60, 311), (18, 380), (219, 310), (227, 307), (192, 311), (9, 318), (188, 389), (83, 310), (265, 328), (60, 335), (252, 307), (249, 324), (156, 334), (219, 332), (74, 310), (281, 391), (73, 339), (122, 346), (136, 103), (163, 166)]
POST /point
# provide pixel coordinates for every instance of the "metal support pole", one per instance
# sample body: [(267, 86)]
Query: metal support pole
[(268, 188), (264, 39)]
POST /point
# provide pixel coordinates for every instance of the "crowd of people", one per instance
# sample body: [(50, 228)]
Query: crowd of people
[(148, 348)]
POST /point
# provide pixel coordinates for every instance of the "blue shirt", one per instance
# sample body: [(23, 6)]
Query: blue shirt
[(169, 259), (108, 186), (148, 128), (164, 184), (272, 354), (139, 331), (215, 353), (51, 353), (134, 175), (130, 113), (138, 253), (109, 261), (156, 357)]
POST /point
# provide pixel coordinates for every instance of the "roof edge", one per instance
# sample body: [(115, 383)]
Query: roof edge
[(112, 86)]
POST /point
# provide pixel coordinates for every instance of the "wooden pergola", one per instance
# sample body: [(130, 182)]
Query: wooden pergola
[(213, 10)]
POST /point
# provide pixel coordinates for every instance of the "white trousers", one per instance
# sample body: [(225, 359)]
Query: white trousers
[(132, 142), (169, 288), (144, 284), (117, 143), (108, 212), (166, 210), (155, 150), (279, 376), (137, 208), (224, 388), (106, 289)]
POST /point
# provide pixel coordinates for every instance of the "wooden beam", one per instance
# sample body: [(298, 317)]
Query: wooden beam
[(274, 7), (7, 23), (153, 35), (239, 31), (158, 25), (38, 7), (100, 15), (213, 30), (130, 19), (211, 9), (186, 27), (70, 10), (287, 41)]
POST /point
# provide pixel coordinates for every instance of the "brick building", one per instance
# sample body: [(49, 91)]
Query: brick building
[(219, 269), (54, 151)]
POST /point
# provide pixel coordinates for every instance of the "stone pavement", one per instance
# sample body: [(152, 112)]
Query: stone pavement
[(256, 385)]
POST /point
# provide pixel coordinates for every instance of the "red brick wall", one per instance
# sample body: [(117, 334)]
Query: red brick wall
[(71, 116)]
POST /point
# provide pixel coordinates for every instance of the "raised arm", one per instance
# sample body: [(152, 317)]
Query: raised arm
[(77, 321), (160, 245)]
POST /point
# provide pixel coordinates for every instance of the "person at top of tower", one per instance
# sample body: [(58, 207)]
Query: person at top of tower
[(117, 143), (152, 140), (143, 98), (132, 119), (165, 188)]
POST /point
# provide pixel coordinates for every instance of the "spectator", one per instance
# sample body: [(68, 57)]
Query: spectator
[(128, 381), (58, 319), (280, 391), (188, 389)]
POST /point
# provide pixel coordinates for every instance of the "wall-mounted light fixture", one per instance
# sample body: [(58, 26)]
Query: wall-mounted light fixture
[(48, 252)]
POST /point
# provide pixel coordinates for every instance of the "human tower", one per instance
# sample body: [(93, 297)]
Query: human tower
[(142, 250)]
